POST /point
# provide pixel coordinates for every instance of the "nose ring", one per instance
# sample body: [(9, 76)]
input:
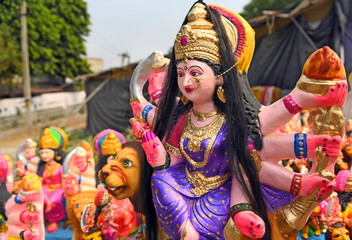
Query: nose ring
[(197, 80)]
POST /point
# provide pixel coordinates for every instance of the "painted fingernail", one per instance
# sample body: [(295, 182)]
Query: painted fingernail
[(330, 186), (152, 135), (324, 149), (320, 195), (334, 139), (155, 145), (250, 229), (332, 89), (325, 139), (258, 226), (323, 190), (252, 223), (338, 85), (324, 145), (324, 181), (327, 155), (144, 139)]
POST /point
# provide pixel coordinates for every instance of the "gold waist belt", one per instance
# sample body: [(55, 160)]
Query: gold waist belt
[(203, 184)]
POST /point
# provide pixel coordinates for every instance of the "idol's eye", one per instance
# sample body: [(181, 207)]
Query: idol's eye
[(78, 205), (195, 73), (180, 74), (127, 163), (113, 157)]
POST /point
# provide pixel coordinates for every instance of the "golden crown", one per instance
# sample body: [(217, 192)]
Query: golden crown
[(47, 140), (197, 38), (110, 144)]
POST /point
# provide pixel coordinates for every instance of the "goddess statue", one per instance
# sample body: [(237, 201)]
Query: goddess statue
[(215, 152)]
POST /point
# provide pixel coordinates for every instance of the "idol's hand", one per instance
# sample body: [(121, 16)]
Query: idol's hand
[(312, 181), (48, 206), (250, 224), (136, 109), (139, 127), (154, 149), (336, 96), (21, 171), (331, 145), (71, 184), (156, 82)]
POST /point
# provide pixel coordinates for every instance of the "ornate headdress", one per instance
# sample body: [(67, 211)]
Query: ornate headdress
[(53, 137), (107, 141), (197, 38)]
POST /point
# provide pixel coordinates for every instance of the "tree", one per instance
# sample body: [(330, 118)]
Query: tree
[(10, 59), (256, 7), (56, 31)]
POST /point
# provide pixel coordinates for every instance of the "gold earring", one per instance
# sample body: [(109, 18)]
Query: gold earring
[(221, 95), (184, 100)]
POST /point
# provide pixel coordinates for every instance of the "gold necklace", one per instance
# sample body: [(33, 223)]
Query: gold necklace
[(202, 116)]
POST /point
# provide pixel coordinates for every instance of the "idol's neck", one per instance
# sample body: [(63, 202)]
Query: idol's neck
[(204, 107)]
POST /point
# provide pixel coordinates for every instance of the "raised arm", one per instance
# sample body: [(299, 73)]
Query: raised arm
[(279, 113)]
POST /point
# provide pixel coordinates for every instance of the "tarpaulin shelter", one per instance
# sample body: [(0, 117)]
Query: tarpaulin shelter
[(108, 101), (285, 39)]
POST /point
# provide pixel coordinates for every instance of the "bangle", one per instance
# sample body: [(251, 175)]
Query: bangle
[(240, 208), (300, 145), (145, 112), (26, 166), (79, 179), (166, 164), (156, 94), (296, 184), (291, 104), (142, 130), (17, 200)]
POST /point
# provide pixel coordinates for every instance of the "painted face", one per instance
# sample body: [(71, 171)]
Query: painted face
[(122, 174), (47, 154), (188, 76)]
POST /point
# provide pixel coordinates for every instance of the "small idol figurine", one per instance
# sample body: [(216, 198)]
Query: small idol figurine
[(52, 143)]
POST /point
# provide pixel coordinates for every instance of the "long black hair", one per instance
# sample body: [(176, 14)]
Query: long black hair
[(103, 160), (143, 201), (59, 158), (241, 109)]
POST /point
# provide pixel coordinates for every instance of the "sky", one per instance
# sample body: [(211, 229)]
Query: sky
[(138, 27)]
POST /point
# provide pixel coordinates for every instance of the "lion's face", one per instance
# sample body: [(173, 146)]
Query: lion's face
[(339, 233), (122, 175)]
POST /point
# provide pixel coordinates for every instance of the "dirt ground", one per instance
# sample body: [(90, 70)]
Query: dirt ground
[(9, 146)]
